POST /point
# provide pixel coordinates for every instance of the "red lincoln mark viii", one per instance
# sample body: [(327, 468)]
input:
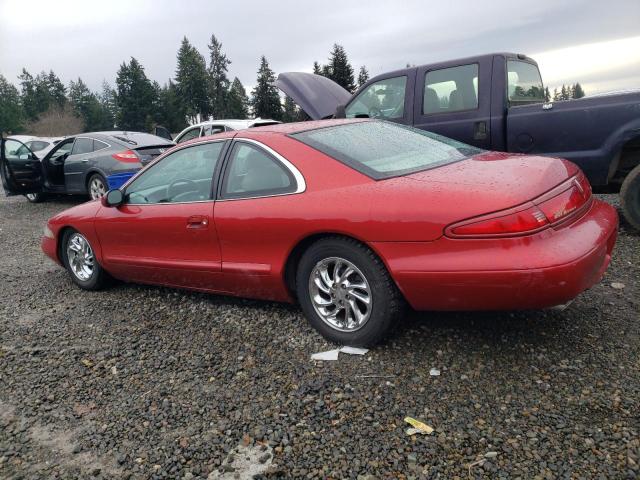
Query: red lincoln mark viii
[(354, 219)]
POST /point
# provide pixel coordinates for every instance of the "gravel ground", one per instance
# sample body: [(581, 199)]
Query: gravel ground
[(144, 382)]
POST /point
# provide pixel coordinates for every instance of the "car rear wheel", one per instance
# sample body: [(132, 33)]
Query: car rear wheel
[(346, 292), (630, 197), (97, 186), (79, 259), (35, 197)]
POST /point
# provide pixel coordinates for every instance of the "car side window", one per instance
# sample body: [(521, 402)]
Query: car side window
[(183, 176), (382, 99), (252, 172), (82, 145), (451, 89), (190, 134), (98, 145), (213, 129), (37, 145)]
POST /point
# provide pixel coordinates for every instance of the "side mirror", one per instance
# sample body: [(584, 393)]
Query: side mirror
[(340, 112), (112, 198)]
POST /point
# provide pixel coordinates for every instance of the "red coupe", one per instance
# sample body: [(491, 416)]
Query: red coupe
[(353, 219)]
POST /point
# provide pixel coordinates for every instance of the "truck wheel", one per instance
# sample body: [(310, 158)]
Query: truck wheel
[(630, 197)]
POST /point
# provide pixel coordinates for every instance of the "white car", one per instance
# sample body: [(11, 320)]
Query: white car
[(211, 127), (39, 145)]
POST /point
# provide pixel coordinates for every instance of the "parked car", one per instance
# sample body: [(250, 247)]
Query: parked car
[(79, 164), (211, 127), (495, 102), (353, 218)]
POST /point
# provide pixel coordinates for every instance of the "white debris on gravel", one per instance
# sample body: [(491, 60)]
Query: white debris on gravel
[(332, 355), (244, 462), (434, 372)]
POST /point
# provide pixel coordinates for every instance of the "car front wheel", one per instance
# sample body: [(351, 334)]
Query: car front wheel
[(80, 261), (346, 292), (630, 197), (97, 186)]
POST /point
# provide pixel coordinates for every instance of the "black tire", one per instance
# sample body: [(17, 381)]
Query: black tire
[(387, 304), (36, 197), (98, 279), (96, 177), (630, 197)]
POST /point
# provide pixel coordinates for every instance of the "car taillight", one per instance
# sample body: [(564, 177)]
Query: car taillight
[(128, 156), (501, 224), (551, 208)]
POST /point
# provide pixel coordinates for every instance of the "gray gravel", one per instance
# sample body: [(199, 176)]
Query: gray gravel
[(145, 382)]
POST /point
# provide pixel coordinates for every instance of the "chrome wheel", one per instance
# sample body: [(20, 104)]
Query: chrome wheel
[(340, 294), (80, 257), (97, 188)]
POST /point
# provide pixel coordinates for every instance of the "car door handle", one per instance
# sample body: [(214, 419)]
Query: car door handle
[(197, 221)]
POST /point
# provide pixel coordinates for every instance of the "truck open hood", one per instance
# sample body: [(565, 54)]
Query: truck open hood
[(316, 95)]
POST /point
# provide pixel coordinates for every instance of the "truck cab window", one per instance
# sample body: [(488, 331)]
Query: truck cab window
[(524, 83), (382, 99), (451, 89)]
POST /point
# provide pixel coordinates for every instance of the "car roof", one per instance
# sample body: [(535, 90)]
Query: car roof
[(289, 128), (141, 139)]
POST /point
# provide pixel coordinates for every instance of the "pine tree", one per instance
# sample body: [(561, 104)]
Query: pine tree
[(363, 76), (238, 102), (339, 68), (41, 92), (290, 113), (88, 107), (191, 81), (108, 101), (578, 92), (135, 97), (55, 89), (218, 81), (266, 100), (11, 113), (169, 111), (317, 69)]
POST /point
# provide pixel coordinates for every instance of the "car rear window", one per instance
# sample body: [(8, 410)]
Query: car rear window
[(382, 149)]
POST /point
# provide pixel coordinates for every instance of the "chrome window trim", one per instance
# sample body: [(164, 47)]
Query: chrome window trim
[(162, 157), (301, 184)]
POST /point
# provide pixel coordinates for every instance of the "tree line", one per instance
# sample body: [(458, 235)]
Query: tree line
[(568, 92), (200, 89)]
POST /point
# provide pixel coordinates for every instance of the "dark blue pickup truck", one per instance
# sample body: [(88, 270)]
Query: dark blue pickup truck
[(495, 102)]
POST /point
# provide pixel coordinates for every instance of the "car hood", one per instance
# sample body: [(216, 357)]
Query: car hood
[(316, 95), (429, 200)]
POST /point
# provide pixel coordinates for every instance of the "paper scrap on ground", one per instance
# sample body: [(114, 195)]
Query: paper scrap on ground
[(434, 372), (328, 355), (333, 354), (354, 350), (418, 427)]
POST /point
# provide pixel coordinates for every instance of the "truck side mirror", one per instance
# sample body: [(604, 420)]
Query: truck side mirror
[(340, 112)]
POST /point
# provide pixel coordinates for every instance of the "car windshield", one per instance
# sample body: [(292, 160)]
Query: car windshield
[(382, 149)]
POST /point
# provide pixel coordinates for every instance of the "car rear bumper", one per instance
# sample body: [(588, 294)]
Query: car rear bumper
[(537, 271)]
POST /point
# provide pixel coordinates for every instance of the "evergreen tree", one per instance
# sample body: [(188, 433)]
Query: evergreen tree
[(191, 80), (578, 92), (339, 68), (363, 76), (317, 69), (41, 92), (238, 102), (170, 111), (108, 101), (55, 88), (556, 95), (218, 81), (135, 97), (11, 113), (290, 113), (28, 86), (88, 106), (266, 100)]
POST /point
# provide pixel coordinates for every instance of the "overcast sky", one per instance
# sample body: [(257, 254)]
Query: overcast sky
[(592, 41)]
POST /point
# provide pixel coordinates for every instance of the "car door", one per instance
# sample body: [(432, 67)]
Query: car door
[(77, 164), (251, 212), (20, 168), (164, 231), (446, 101)]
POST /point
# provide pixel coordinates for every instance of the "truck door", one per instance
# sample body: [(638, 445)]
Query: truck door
[(454, 100), (20, 168)]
